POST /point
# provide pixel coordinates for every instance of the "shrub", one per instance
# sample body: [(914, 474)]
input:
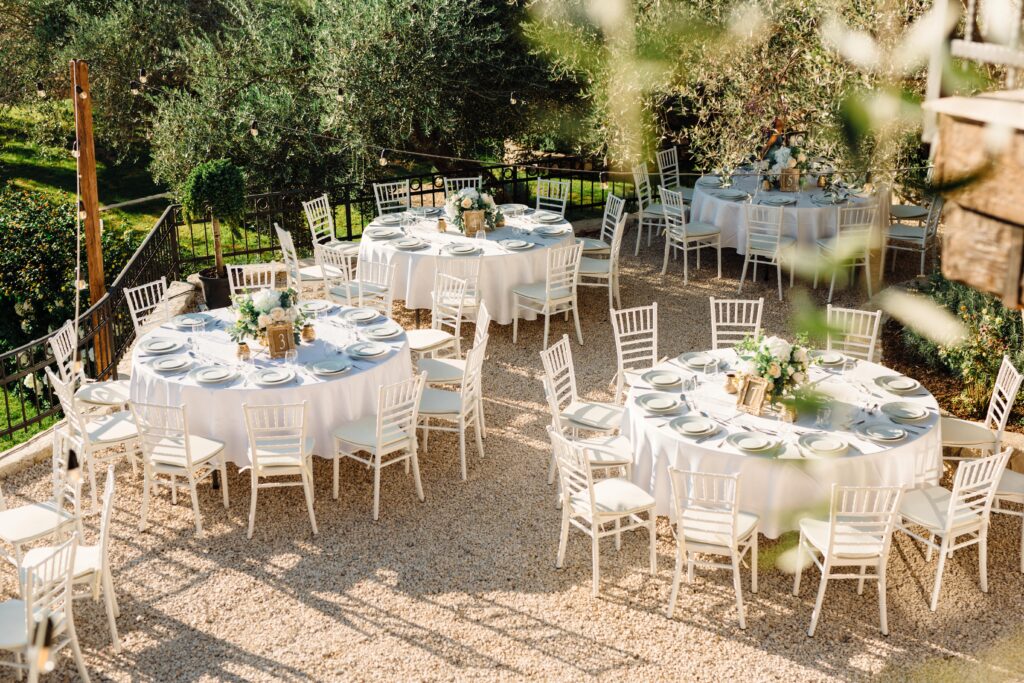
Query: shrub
[(37, 263), (993, 331)]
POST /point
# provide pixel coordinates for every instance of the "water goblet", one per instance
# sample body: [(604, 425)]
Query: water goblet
[(291, 358), (823, 420)]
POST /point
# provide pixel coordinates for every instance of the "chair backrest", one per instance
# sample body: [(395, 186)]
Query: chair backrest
[(148, 305), (291, 259), (974, 487), (853, 332), (448, 298), (47, 587), (707, 503), (613, 210), (1004, 395), (733, 320), (764, 229), (279, 428), (636, 337), (75, 427), (483, 324), (668, 167), (251, 277), (642, 183), (616, 247), (320, 218), (67, 482), (675, 210), (854, 227), (397, 414), (376, 284), (473, 374), (563, 268), (552, 195), (574, 472), (467, 269), (453, 185), (931, 223), (62, 344), (392, 197), (335, 265), (559, 377), (162, 428), (105, 515), (861, 519)]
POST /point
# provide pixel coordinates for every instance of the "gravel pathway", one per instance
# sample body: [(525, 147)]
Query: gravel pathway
[(463, 586)]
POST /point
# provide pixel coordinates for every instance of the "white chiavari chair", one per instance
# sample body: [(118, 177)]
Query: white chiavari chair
[(952, 515), (851, 245), (170, 451), (92, 564), (453, 185), (636, 344), (552, 195), (392, 197), (148, 305), (668, 169), (764, 242), (452, 370), (681, 235), (461, 407), (708, 521), (1011, 490), (279, 446), (592, 506), (915, 238), (299, 275), (252, 277), (614, 209), (109, 394), (557, 294), (320, 219), (856, 536), (733, 320), (604, 272), (852, 332), (98, 440), (31, 523), (467, 269), (650, 215), (46, 596), (986, 436), (388, 438), (909, 212), (336, 269), (445, 332), (376, 280)]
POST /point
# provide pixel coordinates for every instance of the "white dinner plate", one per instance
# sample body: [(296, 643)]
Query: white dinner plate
[(904, 411), (752, 442), (659, 403), (330, 367), (898, 384), (424, 211), (821, 443), (547, 217), (215, 374), (409, 243), (462, 249), (829, 357), (697, 360), (732, 194), (513, 209), (551, 231), (367, 350), (778, 201), (159, 345), (516, 245), (187, 320), (388, 330), (693, 425), (170, 363), (382, 233), (882, 432), (709, 181), (315, 306), (361, 315), (274, 376), (661, 379), (388, 219)]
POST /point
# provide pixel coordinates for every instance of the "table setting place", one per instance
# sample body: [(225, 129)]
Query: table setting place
[(859, 412), (197, 348)]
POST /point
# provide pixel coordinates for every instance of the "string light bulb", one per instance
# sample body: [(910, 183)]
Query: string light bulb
[(142, 76), (135, 86), (254, 129), (40, 90), (340, 96), (512, 98), (82, 215), (383, 161), (80, 91), (74, 149)]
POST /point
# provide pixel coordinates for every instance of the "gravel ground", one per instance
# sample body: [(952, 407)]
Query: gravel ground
[(464, 586)]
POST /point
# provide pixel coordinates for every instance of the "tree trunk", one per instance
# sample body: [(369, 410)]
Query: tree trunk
[(218, 250)]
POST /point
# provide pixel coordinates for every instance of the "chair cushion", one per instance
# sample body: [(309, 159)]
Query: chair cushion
[(704, 526), (171, 452), (654, 210), (31, 521), (603, 417), (591, 244), (112, 428), (315, 273), (595, 266), (694, 230), (361, 432), (614, 496), (344, 246), (442, 370), (964, 433), (908, 211), (12, 625), (87, 558), (816, 532), (428, 339), (1011, 485), (440, 402), (912, 233), (271, 456), (535, 290), (607, 450), (929, 507), (113, 393)]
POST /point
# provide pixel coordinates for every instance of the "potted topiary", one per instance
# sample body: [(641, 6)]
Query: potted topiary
[(216, 187)]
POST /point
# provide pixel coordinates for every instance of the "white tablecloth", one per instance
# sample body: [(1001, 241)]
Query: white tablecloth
[(215, 411), (793, 485), (805, 220), (500, 268)]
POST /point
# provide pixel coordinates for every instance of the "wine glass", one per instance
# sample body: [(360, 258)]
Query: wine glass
[(195, 329), (291, 358)]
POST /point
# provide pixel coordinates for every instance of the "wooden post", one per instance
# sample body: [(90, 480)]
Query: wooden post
[(82, 99)]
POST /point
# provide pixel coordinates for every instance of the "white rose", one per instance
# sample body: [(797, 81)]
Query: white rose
[(799, 377), (778, 347), (266, 299), (277, 314), (774, 370), (801, 157), (747, 367), (263, 320), (467, 203), (488, 200), (791, 163), (782, 155), (801, 355), (790, 370)]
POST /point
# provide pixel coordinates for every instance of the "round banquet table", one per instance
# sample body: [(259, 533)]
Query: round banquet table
[(215, 410), (501, 269), (805, 220), (793, 483)]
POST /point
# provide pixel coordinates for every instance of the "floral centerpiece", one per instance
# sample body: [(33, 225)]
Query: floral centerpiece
[(782, 364), (470, 199), (257, 310)]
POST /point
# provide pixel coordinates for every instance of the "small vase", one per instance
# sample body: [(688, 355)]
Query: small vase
[(731, 384), (308, 333), (243, 352), (442, 225)]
